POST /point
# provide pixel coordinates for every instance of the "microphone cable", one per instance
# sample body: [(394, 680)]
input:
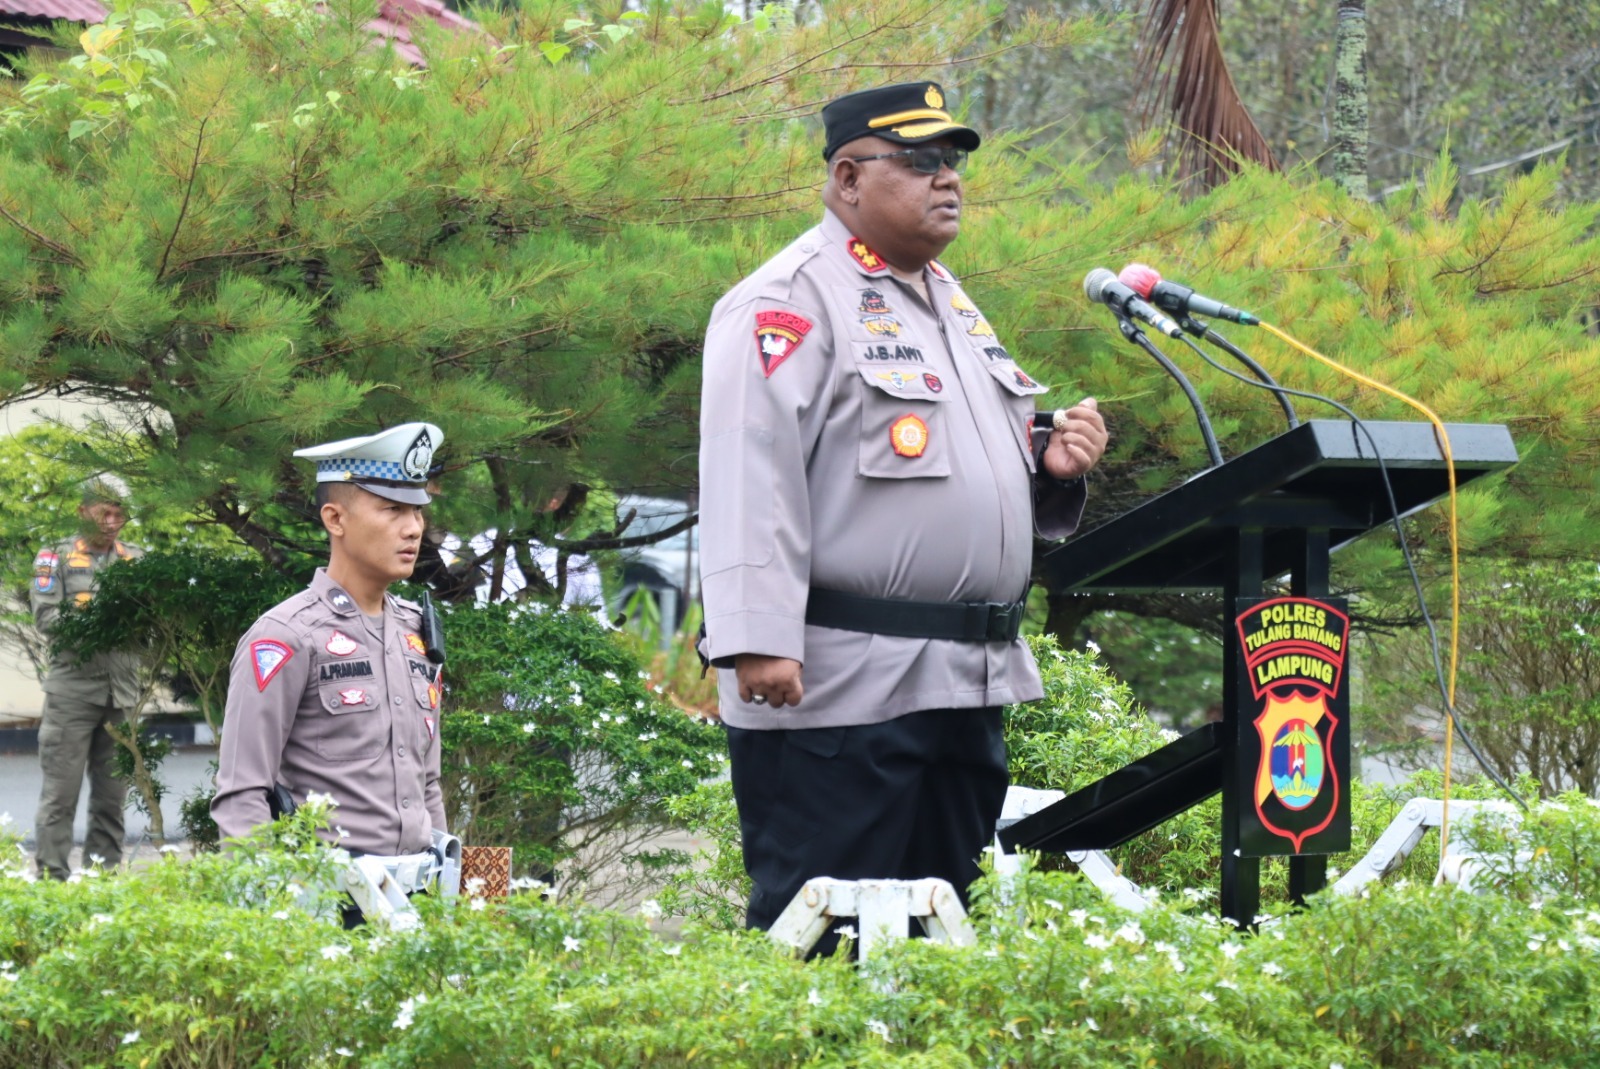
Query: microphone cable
[(1445, 691)]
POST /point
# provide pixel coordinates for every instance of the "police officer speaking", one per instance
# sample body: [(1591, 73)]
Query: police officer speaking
[(82, 695), (332, 690), (871, 485)]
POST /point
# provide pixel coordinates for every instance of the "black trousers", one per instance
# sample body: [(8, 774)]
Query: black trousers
[(912, 797)]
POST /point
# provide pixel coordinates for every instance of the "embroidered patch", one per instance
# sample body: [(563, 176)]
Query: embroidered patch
[(909, 436), (268, 655), (341, 644), (433, 695), (428, 722), (1025, 382), (353, 696), (883, 326), (981, 328), (870, 261), (898, 379), (339, 599), (44, 571), (962, 306), (83, 597), (933, 383), (416, 644), (79, 560), (940, 272), (778, 334), (872, 302)]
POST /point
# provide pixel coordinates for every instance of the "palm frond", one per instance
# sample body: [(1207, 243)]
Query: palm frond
[(1182, 74)]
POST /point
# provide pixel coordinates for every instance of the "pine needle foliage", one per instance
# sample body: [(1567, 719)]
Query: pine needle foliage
[(255, 230)]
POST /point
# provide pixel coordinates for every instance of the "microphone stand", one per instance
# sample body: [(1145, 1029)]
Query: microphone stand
[(1202, 330), (1137, 336)]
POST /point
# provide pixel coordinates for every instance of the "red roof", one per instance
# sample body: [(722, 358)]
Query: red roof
[(394, 21)]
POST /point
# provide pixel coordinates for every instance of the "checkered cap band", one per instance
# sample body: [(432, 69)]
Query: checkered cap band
[(329, 471)]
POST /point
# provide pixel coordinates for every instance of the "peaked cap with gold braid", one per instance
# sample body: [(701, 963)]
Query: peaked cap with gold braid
[(908, 113)]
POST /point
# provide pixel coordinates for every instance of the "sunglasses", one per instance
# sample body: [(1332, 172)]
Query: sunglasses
[(926, 159)]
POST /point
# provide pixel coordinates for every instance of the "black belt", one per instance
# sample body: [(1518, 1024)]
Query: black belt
[(963, 621)]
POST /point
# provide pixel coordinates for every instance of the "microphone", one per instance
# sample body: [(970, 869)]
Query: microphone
[(1179, 300), (1102, 287)]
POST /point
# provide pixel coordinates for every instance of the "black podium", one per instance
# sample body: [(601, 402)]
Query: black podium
[(1280, 756)]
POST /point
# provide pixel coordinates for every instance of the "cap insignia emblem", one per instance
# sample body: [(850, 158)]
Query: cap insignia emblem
[(419, 456), (934, 98)]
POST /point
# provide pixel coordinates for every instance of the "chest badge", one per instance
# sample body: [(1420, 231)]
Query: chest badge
[(909, 436), (416, 645), (433, 695), (882, 326), (962, 306), (778, 334), (980, 328), (1025, 382), (341, 644), (353, 696), (872, 302), (898, 379), (428, 722), (933, 382)]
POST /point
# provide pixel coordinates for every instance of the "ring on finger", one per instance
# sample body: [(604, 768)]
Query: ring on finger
[(759, 699)]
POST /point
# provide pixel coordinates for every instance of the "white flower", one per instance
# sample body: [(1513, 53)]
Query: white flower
[(478, 905), (1208, 996), (475, 885), (281, 915), (1231, 950), (1272, 968), (318, 798), (227, 955), (1088, 1022), (334, 952), (344, 1052), (1131, 932), (1097, 941), (571, 944), (1053, 904), (611, 676), (881, 1029), (5, 820), (650, 909), (814, 998), (130, 1037), (845, 931), (97, 859), (688, 763), (99, 919), (408, 1010), (672, 950), (529, 728), (1078, 916), (1229, 984), (1108, 966), (193, 580)]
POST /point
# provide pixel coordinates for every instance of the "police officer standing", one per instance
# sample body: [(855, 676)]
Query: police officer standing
[(332, 690), (871, 485), (82, 696)]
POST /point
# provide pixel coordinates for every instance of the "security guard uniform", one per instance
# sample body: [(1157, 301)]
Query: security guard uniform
[(81, 697), (867, 485), (323, 698)]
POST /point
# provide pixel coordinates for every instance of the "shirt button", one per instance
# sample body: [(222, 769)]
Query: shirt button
[(401, 751), (405, 803), (397, 699), (807, 248)]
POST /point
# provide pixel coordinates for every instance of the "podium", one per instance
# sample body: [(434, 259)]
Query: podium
[(1281, 754)]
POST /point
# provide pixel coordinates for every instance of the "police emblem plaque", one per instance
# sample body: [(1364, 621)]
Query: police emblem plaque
[(1294, 726)]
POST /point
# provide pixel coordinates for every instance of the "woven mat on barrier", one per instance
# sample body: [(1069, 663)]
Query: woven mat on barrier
[(492, 865)]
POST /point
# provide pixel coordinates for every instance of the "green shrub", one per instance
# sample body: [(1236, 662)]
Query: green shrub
[(207, 963), (555, 745)]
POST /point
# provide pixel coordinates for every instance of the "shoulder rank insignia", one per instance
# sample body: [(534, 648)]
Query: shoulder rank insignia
[(268, 655), (909, 436), (778, 334), (940, 271), (341, 644), (870, 261)]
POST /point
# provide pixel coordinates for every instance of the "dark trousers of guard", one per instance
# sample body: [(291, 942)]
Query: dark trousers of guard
[(910, 798)]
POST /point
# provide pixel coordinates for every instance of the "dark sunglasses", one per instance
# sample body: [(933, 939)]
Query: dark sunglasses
[(927, 159)]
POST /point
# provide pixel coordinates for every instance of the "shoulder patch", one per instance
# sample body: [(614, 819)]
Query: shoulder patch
[(268, 655), (778, 334), (44, 571)]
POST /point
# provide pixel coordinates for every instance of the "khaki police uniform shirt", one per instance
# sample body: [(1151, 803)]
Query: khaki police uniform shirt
[(856, 436), (68, 571), (322, 699)]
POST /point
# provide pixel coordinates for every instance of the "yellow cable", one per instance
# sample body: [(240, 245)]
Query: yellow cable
[(1455, 558)]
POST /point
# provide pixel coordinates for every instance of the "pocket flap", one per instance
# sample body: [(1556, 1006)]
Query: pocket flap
[(1015, 380)]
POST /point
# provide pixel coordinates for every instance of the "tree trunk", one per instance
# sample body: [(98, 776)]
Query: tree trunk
[(1350, 99), (144, 781)]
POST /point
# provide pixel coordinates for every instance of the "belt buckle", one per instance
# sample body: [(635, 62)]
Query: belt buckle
[(1005, 621)]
